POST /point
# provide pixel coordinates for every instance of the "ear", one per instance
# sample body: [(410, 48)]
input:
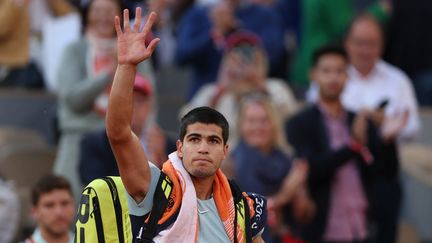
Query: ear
[(179, 146), (311, 74), (226, 149), (346, 43), (34, 213)]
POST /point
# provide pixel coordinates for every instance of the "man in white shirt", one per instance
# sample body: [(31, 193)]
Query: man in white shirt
[(386, 93)]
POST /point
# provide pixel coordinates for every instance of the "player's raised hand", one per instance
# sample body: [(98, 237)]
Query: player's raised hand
[(131, 46)]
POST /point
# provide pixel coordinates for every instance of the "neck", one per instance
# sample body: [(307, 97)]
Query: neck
[(333, 107), (51, 238), (364, 70), (203, 187), (266, 149)]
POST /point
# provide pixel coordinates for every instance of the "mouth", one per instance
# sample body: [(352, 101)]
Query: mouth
[(202, 160)]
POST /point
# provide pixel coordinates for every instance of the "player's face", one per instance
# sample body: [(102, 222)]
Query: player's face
[(202, 149)]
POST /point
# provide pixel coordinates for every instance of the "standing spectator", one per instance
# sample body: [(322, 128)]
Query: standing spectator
[(387, 93), (53, 209), (202, 32), (408, 44), (243, 69), (97, 158), (335, 142)]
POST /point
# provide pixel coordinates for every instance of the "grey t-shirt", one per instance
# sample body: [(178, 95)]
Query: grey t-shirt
[(210, 227)]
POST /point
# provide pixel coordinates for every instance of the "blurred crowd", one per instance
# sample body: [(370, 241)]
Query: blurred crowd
[(318, 94)]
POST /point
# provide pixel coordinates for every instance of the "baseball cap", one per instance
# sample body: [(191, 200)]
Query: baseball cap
[(242, 38), (142, 85)]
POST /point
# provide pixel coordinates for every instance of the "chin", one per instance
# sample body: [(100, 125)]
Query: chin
[(202, 173)]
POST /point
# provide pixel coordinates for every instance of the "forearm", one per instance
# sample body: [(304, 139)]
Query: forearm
[(322, 166), (285, 193), (131, 159), (120, 107)]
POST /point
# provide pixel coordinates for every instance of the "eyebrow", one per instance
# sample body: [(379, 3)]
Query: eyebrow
[(200, 135)]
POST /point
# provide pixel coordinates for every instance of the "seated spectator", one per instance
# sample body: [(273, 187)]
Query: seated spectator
[(97, 159), (260, 162), (53, 209), (337, 145), (243, 69), (85, 77), (203, 29)]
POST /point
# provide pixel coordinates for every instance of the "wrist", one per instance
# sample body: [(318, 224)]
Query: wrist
[(126, 66), (362, 150)]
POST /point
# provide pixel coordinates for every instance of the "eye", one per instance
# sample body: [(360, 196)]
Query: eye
[(65, 203), (214, 141), (194, 139), (49, 205)]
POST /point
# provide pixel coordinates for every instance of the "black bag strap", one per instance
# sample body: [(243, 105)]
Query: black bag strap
[(160, 202), (238, 197)]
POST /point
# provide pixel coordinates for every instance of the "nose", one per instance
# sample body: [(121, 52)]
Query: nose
[(203, 148)]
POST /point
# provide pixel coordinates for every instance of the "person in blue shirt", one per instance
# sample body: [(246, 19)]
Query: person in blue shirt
[(202, 31)]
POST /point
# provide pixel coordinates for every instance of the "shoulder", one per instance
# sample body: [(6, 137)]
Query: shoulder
[(305, 114), (394, 74)]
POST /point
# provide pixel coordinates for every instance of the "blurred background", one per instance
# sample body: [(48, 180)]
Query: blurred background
[(58, 57)]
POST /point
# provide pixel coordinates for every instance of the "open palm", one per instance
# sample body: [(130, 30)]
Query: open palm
[(131, 48)]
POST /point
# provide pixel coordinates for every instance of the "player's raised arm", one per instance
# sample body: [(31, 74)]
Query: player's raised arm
[(130, 156)]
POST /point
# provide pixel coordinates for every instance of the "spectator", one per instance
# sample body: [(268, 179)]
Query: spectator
[(260, 162), (54, 24), (53, 209), (85, 72), (387, 94), (324, 22), (16, 68), (85, 76), (209, 25), (335, 142), (243, 69), (20, 53), (97, 158)]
